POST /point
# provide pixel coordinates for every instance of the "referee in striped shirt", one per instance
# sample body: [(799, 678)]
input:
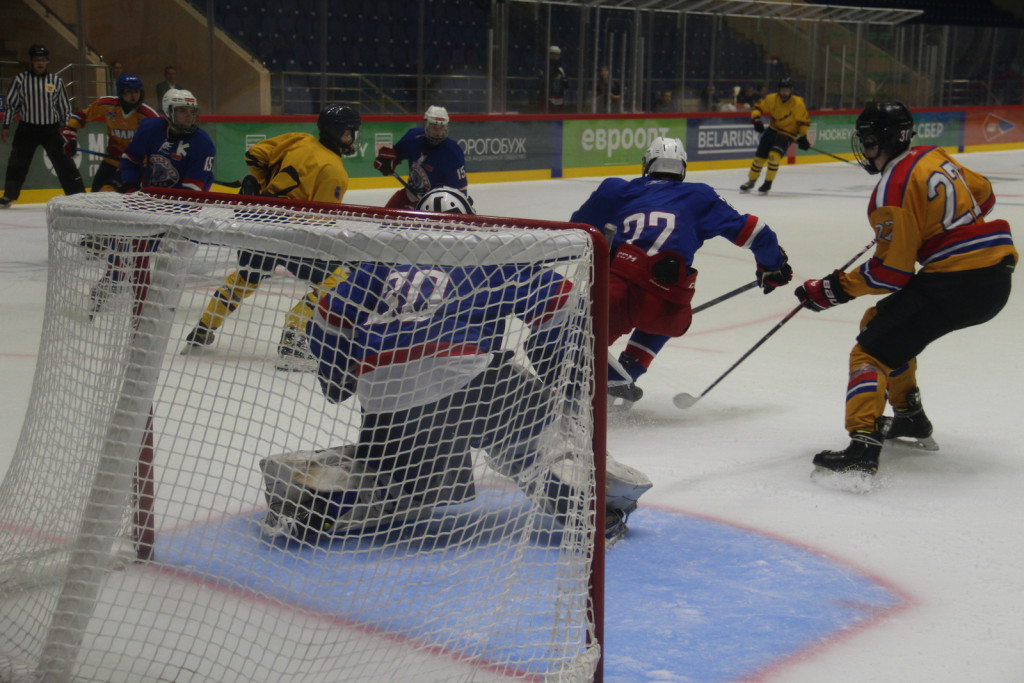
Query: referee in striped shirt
[(41, 100)]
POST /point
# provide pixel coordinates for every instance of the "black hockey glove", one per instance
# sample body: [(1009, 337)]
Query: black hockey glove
[(817, 295), (250, 186), (803, 143), (758, 125), (769, 279), (386, 161)]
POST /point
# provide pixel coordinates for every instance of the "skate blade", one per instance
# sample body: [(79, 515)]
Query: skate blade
[(191, 350), (619, 405), (292, 364), (850, 482), (924, 444), (617, 535)]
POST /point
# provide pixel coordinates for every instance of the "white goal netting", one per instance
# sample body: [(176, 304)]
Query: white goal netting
[(191, 512)]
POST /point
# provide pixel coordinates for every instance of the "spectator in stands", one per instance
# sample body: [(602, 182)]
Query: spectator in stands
[(115, 70), (170, 82), (554, 83), (664, 103), (608, 94), (747, 97)]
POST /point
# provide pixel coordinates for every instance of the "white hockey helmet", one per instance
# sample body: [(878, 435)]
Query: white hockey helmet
[(665, 157), (445, 200), (175, 99), (435, 125)]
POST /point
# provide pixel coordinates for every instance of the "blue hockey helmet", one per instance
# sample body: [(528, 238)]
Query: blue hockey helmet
[(129, 82), (334, 121)]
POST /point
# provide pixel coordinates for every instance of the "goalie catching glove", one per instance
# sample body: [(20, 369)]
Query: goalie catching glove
[(386, 161), (70, 141), (827, 292), (770, 278)]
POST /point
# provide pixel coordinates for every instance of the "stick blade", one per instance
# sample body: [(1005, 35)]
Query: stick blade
[(684, 401)]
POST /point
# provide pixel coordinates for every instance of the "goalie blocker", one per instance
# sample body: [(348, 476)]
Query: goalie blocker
[(311, 494)]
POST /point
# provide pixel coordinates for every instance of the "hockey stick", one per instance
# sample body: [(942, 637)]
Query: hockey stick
[(684, 400), (404, 184), (829, 154), (727, 295), (225, 183)]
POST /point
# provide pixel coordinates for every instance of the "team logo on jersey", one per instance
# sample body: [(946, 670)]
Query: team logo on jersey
[(162, 172), (51, 88)]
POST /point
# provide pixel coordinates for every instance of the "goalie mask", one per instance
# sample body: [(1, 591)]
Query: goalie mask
[(181, 109), (883, 127), (665, 158), (445, 200), (435, 125), (339, 127)]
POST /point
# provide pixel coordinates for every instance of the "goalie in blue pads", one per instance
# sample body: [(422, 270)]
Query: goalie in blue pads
[(430, 332)]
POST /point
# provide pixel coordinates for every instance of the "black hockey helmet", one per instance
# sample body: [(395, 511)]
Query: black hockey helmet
[(785, 82), (886, 126), (38, 51), (334, 121)]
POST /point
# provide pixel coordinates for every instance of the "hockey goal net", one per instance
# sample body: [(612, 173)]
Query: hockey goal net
[(132, 515)]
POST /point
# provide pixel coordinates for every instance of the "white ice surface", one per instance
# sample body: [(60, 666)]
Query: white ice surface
[(944, 529)]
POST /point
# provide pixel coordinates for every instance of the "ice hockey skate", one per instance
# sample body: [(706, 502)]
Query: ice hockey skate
[(293, 353), (910, 426), (766, 187), (852, 469), (199, 337), (621, 397), (747, 186), (101, 292)]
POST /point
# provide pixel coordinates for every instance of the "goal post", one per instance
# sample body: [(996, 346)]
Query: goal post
[(134, 515)]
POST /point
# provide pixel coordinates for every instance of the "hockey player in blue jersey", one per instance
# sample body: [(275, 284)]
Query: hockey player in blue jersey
[(436, 334), (435, 160), (657, 223), (171, 151)]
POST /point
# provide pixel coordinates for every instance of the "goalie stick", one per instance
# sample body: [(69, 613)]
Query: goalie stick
[(225, 183), (684, 400)]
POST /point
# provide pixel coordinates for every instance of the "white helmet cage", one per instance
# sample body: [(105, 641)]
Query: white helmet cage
[(665, 156), (445, 200), (435, 116), (175, 98)]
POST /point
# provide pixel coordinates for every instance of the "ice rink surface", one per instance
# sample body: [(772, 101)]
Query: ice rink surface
[(941, 532)]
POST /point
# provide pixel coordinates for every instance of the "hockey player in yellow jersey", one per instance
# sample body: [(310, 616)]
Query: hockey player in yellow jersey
[(790, 121), (293, 166), (122, 114), (943, 267)]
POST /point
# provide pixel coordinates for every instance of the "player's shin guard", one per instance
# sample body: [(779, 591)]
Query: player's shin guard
[(865, 391), (227, 299)]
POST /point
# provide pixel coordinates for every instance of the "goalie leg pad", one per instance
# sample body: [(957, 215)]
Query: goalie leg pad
[(624, 485)]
